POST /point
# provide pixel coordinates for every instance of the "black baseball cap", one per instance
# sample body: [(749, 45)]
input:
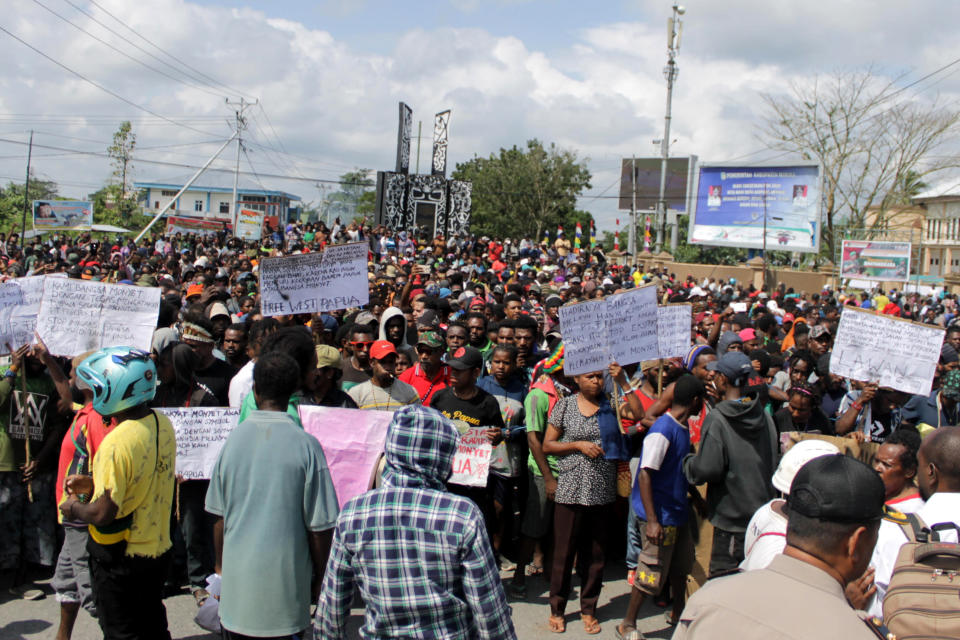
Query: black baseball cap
[(466, 358), (735, 365), (837, 489)]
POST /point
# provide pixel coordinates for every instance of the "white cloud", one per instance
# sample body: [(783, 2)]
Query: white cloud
[(601, 93)]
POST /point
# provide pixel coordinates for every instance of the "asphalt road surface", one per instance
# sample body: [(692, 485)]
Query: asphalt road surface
[(21, 619)]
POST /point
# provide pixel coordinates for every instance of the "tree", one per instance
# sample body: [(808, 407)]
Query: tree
[(521, 192), (12, 201), (867, 136), (356, 198), (121, 157)]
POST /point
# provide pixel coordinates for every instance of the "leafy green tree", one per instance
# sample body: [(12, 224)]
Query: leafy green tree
[(109, 207), (356, 198), (11, 201), (121, 157), (520, 192)]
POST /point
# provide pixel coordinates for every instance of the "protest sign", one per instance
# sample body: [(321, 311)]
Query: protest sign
[(890, 351), (62, 214), (249, 224), (673, 329), (336, 278), (80, 315), (352, 442), (621, 328), (471, 462), (19, 305), (200, 432)]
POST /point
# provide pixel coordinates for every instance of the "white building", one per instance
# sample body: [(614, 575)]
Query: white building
[(941, 231), (213, 202)]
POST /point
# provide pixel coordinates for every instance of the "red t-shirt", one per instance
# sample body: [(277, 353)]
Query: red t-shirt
[(426, 387), (79, 446), (645, 401)]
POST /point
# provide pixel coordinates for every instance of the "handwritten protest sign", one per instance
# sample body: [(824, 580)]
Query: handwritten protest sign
[(80, 315), (471, 463), (19, 306), (200, 432), (621, 328), (312, 282), (673, 330), (352, 442), (891, 351)]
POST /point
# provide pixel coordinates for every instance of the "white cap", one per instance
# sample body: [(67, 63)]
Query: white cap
[(793, 460)]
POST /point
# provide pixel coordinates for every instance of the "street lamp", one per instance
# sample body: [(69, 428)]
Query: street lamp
[(674, 29)]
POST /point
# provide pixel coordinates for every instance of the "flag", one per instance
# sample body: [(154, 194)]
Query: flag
[(616, 236), (546, 236), (576, 238), (559, 231), (593, 234), (646, 235)]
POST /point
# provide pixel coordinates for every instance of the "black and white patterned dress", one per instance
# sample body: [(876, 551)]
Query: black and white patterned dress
[(582, 480)]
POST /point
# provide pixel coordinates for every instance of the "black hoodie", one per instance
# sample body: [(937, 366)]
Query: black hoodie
[(738, 453)]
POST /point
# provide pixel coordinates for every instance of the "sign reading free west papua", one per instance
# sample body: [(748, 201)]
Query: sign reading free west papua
[(335, 278)]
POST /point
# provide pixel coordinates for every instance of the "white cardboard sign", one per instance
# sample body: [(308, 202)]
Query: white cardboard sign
[(335, 278), (893, 352)]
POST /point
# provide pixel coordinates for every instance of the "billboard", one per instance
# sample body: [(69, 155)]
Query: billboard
[(62, 214), (875, 260), (732, 201), (249, 224), (677, 192), (202, 226)]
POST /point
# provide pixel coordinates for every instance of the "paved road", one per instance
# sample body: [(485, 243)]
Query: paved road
[(21, 619)]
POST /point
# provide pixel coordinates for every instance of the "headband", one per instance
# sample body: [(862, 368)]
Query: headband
[(196, 333)]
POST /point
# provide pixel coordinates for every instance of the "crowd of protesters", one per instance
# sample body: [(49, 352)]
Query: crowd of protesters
[(459, 332)]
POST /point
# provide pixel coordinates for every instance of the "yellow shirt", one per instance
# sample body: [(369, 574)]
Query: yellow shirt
[(136, 463)]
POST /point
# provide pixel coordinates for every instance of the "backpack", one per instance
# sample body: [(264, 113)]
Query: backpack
[(923, 599)]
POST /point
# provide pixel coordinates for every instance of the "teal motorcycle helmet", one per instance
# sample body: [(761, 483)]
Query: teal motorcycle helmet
[(120, 378)]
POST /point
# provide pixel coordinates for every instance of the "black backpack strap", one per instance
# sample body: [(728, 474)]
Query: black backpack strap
[(915, 529)]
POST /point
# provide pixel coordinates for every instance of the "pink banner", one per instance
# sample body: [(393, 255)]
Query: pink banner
[(352, 442)]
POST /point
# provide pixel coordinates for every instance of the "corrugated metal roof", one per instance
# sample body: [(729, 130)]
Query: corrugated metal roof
[(222, 183)]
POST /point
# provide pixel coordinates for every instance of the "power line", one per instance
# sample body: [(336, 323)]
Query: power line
[(100, 86), (882, 99), (125, 54), (163, 51)]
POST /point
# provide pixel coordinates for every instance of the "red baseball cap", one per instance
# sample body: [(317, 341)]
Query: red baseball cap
[(788, 317), (381, 349)]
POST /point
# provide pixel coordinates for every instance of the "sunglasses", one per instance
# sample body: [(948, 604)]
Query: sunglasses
[(362, 345)]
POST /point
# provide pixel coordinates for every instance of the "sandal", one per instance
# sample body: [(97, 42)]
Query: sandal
[(670, 620), (517, 590), (534, 570), (557, 624), (633, 634), (200, 596), (590, 625)]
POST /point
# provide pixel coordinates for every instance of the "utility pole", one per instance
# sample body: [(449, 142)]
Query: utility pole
[(764, 282), (419, 131), (241, 124), (26, 192), (674, 29), (632, 240)]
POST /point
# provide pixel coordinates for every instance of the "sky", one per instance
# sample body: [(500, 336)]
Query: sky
[(587, 76)]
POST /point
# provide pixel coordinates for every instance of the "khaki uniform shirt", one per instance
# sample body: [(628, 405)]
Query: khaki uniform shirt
[(788, 599)]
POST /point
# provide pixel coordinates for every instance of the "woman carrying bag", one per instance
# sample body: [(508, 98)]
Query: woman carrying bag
[(584, 434)]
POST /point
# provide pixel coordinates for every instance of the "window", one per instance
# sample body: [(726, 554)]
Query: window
[(198, 205), (166, 193), (224, 207), (156, 204)]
